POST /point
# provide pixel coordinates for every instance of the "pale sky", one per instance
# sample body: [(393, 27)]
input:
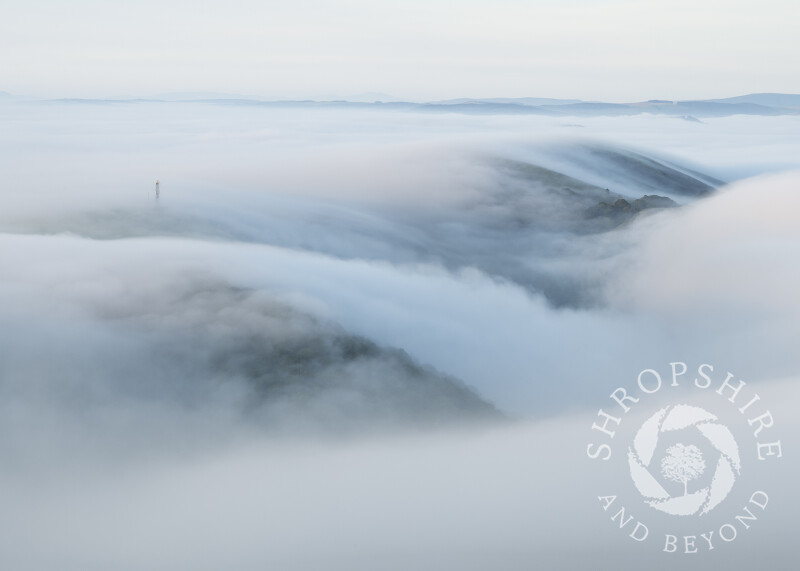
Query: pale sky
[(613, 50)]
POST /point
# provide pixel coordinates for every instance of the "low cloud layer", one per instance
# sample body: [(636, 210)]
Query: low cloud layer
[(248, 372)]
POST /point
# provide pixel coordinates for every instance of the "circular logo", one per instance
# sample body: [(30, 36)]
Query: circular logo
[(682, 463)]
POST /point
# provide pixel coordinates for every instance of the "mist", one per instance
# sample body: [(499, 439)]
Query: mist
[(359, 339)]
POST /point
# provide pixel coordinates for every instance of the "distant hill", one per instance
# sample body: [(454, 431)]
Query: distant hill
[(765, 104), (511, 101), (766, 99), (484, 107), (190, 96), (589, 109), (677, 108)]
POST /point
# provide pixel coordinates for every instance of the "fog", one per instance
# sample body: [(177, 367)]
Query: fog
[(359, 339)]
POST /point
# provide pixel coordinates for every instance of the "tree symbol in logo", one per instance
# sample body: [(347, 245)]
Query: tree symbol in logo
[(683, 463)]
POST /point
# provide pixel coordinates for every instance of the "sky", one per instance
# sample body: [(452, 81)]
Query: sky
[(612, 50)]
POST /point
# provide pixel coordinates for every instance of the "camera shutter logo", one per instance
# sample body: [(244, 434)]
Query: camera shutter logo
[(683, 463)]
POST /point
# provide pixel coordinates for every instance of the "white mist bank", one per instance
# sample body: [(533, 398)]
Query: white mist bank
[(60, 155), (714, 277), (508, 498), (126, 444), (714, 281)]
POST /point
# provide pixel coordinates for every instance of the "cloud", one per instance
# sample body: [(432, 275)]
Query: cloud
[(720, 273), (364, 276)]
